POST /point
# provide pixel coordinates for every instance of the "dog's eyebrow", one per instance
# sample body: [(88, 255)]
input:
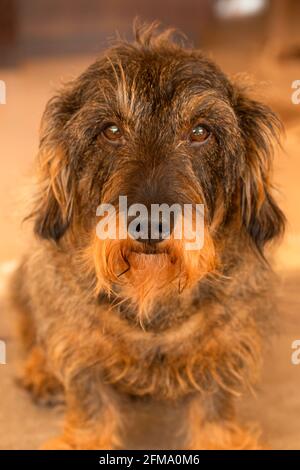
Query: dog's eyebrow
[(207, 102)]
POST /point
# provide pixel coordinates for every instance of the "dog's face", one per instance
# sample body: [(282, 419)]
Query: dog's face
[(158, 124)]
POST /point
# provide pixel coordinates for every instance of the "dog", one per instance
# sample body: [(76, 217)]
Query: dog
[(113, 326)]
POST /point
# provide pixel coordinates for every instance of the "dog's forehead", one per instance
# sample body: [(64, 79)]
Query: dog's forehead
[(160, 80), (171, 75)]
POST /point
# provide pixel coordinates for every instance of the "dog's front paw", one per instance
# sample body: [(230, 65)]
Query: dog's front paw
[(229, 437), (65, 443), (42, 385), (57, 443)]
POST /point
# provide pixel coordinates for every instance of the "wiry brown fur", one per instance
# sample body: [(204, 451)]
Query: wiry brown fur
[(116, 326)]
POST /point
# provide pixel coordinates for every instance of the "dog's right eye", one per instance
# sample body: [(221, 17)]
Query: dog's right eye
[(112, 133), (199, 134)]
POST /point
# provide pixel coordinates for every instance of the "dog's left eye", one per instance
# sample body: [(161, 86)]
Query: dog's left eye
[(112, 132), (199, 134)]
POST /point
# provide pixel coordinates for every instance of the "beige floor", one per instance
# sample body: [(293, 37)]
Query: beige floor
[(277, 406)]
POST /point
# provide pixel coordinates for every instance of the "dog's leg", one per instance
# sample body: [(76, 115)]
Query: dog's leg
[(93, 419), (35, 376), (217, 434)]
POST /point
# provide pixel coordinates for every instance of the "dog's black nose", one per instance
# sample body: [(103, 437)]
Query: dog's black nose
[(147, 231)]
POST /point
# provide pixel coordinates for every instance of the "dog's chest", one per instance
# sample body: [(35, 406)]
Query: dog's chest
[(142, 363)]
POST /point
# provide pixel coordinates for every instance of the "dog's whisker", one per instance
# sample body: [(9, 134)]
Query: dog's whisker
[(124, 272)]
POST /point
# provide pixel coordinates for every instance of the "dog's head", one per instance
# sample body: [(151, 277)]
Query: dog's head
[(157, 123)]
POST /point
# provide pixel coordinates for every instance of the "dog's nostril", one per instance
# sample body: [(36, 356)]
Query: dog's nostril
[(139, 231), (161, 232)]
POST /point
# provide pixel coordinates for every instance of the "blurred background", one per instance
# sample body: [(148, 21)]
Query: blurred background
[(45, 43)]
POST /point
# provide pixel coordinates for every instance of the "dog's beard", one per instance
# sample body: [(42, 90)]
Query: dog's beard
[(144, 275)]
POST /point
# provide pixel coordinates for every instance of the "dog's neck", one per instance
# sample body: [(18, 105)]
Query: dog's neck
[(165, 310)]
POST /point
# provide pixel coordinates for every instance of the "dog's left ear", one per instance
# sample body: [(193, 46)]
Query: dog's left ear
[(260, 129)]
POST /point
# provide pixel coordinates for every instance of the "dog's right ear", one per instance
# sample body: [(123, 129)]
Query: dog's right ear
[(260, 213), (54, 203)]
